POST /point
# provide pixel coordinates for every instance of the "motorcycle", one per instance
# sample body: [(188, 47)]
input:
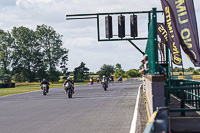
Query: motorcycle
[(44, 88), (91, 81), (68, 89), (105, 86)]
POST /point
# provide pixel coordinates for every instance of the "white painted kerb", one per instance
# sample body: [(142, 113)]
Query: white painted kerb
[(133, 123)]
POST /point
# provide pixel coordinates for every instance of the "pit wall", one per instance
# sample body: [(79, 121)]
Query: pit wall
[(154, 91)]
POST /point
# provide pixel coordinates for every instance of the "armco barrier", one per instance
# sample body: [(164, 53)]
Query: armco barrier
[(181, 77), (7, 85), (194, 77), (159, 121)]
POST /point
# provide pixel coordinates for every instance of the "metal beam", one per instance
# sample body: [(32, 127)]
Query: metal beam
[(70, 16), (122, 39), (136, 47)]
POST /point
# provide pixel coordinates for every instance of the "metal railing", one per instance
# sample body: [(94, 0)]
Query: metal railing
[(187, 91)]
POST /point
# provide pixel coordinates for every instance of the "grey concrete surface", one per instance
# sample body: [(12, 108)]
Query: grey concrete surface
[(91, 110)]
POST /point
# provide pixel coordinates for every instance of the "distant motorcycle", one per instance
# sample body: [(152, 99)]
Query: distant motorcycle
[(44, 88), (104, 85), (68, 89), (91, 81)]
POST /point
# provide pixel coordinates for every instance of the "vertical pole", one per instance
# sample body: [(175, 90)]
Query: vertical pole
[(155, 47), (149, 19), (167, 61), (182, 102), (98, 31)]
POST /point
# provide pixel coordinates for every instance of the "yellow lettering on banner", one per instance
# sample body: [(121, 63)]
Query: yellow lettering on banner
[(177, 59), (195, 56), (182, 21), (170, 26), (167, 10), (175, 50), (188, 43), (179, 7), (168, 19), (181, 10), (185, 34), (187, 31), (163, 31)]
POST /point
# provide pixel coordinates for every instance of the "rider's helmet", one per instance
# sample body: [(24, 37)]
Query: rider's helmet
[(104, 76), (44, 79), (68, 78)]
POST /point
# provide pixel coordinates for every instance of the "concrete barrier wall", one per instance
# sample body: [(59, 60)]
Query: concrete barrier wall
[(154, 91)]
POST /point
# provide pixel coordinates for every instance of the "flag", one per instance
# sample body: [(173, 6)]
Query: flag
[(186, 27), (173, 37)]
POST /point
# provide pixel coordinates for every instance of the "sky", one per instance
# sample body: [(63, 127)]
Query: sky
[(80, 36)]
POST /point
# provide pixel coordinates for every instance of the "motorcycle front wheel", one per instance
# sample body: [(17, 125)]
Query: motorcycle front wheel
[(70, 93), (44, 92)]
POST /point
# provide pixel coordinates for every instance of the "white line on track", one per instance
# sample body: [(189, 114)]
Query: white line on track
[(133, 123)]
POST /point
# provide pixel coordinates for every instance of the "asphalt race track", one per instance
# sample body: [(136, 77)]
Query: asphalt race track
[(91, 110)]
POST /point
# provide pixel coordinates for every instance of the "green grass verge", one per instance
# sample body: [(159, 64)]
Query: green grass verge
[(27, 88)]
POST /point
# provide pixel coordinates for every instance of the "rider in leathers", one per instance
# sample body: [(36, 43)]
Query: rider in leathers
[(45, 82), (71, 81)]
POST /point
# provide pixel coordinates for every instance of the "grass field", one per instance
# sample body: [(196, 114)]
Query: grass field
[(27, 88)]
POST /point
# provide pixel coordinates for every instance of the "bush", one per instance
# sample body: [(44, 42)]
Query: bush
[(133, 73), (195, 72)]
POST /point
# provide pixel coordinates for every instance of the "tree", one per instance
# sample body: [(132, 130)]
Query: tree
[(119, 72), (25, 51), (106, 70), (81, 72), (177, 69), (51, 43), (6, 41), (190, 69), (63, 64), (133, 73), (118, 67), (195, 72)]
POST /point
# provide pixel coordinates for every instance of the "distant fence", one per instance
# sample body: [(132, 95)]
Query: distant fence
[(191, 77)]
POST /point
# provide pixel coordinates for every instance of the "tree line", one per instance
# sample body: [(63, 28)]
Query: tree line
[(181, 70), (82, 72), (28, 55)]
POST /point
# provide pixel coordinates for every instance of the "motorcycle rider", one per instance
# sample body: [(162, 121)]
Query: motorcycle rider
[(45, 82), (104, 80), (98, 79), (91, 80), (71, 81)]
